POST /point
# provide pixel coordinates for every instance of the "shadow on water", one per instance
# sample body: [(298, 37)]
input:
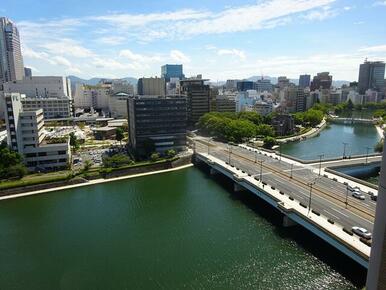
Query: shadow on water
[(301, 236)]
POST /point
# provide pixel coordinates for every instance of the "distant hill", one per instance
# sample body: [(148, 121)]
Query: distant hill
[(337, 83), (94, 81)]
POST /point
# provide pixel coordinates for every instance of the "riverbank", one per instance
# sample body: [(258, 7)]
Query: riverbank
[(380, 131), (311, 133), (93, 182)]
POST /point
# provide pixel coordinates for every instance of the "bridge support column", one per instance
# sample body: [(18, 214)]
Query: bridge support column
[(213, 171), (287, 222), (237, 187)]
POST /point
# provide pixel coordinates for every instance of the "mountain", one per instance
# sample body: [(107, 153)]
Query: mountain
[(335, 83), (93, 81)]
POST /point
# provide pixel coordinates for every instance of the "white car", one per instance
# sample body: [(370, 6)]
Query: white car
[(361, 232), (358, 195)]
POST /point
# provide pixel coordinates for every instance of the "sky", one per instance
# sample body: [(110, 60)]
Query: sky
[(219, 39)]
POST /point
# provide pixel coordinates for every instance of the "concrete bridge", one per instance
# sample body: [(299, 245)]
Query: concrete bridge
[(319, 203), (352, 120)]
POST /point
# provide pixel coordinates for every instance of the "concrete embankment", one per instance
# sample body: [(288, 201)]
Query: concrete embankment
[(125, 173), (312, 133)]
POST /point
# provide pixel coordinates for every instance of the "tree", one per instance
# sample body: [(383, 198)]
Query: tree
[(87, 165), (154, 157), (170, 153), (116, 160), (269, 142), (254, 117), (265, 130), (119, 135), (11, 163), (81, 125), (379, 146), (350, 105), (74, 142)]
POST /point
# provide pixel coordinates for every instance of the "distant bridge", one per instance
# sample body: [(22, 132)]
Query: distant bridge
[(352, 120)]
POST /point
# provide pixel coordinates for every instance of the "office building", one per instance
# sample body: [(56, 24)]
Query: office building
[(322, 80), (96, 97), (264, 85), (334, 97), (169, 71), (376, 278), (118, 105), (225, 103), (243, 86), (157, 123), (151, 86), (40, 86), (283, 82), (27, 72), (371, 76), (25, 134), (198, 98), (231, 85), (11, 60), (53, 108), (304, 81), (263, 108)]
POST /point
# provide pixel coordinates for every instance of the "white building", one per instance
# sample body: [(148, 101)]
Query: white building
[(263, 108), (25, 134), (40, 86), (53, 108), (355, 98), (97, 97), (118, 105)]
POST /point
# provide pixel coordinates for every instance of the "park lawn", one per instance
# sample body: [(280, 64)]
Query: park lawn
[(37, 178)]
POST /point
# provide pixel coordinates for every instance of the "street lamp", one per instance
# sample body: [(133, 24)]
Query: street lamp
[(208, 146), (255, 156), (280, 152), (311, 184), (292, 167), (229, 153), (346, 202), (320, 162), (367, 153), (344, 149), (261, 170)]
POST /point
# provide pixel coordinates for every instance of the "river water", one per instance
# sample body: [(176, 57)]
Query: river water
[(330, 142), (182, 229)]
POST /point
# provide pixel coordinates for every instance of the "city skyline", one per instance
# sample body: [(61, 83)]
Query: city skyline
[(136, 39)]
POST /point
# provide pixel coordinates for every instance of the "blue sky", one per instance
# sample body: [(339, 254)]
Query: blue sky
[(219, 39)]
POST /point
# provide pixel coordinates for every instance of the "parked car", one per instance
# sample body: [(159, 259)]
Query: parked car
[(358, 195), (373, 196), (361, 232)]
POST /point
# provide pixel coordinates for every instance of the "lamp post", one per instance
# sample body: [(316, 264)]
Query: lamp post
[(367, 153), (311, 184), (208, 146), (292, 167), (229, 153), (255, 156), (320, 162), (261, 170), (346, 202), (344, 149), (280, 152)]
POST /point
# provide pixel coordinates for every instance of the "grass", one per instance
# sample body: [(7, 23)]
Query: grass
[(37, 178)]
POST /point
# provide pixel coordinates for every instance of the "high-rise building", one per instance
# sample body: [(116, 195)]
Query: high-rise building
[(264, 85), (151, 86), (376, 278), (304, 81), (371, 76), (322, 80), (27, 72), (25, 134), (198, 98), (283, 82), (225, 103), (243, 86), (11, 60), (97, 97), (169, 71), (231, 85), (157, 123)]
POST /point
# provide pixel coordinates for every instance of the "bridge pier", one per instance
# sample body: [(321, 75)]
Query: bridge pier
[(287, 222), (213, 171), (237, 187)]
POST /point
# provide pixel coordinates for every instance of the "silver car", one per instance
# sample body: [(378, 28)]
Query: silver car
[(361, 232), (358, 195)]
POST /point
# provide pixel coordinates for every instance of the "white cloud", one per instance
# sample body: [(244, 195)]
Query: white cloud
[(377, 48), (67, 47), (379, 3), (322, 14), (112, 40), (234, 52), (139, 58), (179, 56), (30, 53)]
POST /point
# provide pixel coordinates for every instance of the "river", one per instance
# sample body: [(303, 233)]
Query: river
[(330, 142), (182, 229)]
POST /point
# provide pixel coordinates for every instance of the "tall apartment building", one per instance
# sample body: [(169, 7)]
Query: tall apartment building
[(376, 278), (52, 94), (169, 71), (25, 134), (225, 103), (304, 81), (294, 99), (371, 76), (231, 85), (198, 98), (283, 82), (322, 80), (157, 120), (151, 86), (27, 72), (11, 60)]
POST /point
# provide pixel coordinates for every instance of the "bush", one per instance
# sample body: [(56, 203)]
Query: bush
[(379, 146), (170, 153), (154, 156), (17, 170), (116, 160), (269, 142)]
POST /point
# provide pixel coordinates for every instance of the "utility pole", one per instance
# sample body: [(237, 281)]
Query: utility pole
[(230, 152), (344, 149), (320, 162), (311, 184), (367, 153), (292, 167), (255, 157), (346, 202)]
